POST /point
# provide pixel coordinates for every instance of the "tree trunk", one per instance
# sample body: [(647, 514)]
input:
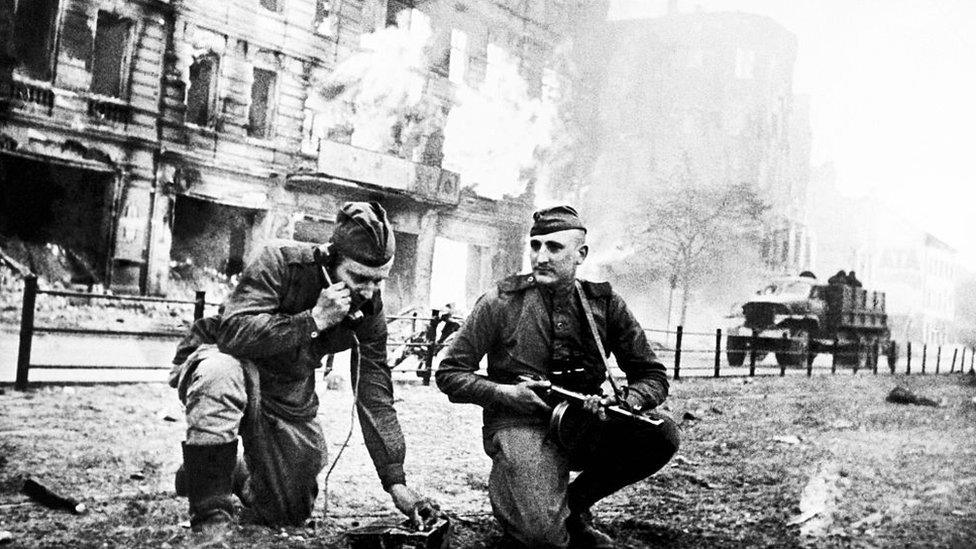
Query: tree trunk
[(685, 289)]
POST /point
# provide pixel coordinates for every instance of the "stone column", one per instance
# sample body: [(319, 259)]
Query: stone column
[(425, 255)]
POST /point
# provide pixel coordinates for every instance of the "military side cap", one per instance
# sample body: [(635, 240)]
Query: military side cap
[(363, 233), (556, 218)]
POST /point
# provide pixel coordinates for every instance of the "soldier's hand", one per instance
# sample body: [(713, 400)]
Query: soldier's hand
[(423, 512), (524, 397), (333, 305), (597, 405)]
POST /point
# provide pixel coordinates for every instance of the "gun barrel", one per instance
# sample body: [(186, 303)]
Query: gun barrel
[(612, 409)]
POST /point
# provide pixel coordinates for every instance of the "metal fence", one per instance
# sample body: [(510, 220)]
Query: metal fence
[(699, 354), (420, 339), (693, 354)]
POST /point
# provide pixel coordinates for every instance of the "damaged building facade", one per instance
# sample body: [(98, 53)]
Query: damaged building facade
[(154, 134), (715, 93)]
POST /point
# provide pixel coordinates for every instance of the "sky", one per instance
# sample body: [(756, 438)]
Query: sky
[(892, 86)]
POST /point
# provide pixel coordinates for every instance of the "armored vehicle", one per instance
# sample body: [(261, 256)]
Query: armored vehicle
[(798, 317)]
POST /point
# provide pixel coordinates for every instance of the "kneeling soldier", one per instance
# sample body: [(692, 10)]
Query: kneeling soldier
[(249, 372), (537, 326)]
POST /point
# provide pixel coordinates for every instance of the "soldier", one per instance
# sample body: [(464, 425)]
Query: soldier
[(537, 325), (840, 277), (249, 372)]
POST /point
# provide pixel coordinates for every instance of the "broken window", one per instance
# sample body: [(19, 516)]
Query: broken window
[(394, 9), (35, 22), (440, 50), (325, 21), (201, 97), (262, 88), (107, 63), (458, 62), (270, 5), (745, 63)]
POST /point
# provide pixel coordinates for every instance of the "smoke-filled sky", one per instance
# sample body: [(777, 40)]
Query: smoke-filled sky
[(892, 85)]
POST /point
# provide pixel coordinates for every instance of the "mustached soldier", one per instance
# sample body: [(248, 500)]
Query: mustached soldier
[(249, 373), (535, 325)]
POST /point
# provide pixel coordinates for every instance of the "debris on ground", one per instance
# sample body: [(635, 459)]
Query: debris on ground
[(43, 495), (901, 395), (817, 502), (787, 439)]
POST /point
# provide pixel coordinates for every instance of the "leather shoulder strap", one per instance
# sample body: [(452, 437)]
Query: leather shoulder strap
[(588, 313)]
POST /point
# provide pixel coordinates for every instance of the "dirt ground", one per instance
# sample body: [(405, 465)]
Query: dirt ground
[(785, 462)]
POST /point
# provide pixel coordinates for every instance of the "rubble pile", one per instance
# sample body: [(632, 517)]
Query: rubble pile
[(57, 271)]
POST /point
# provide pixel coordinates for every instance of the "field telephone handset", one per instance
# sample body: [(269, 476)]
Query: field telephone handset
[(356, 301)]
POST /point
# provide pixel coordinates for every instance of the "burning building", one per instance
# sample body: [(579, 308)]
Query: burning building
[(153, 134)]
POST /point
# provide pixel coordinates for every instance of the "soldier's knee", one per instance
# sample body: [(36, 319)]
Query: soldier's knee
[(218, 373)]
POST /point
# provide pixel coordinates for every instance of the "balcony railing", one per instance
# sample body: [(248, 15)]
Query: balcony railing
[(26, 93), (388, 172), (109, 110)]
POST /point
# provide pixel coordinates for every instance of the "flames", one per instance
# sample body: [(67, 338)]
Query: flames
[(380, 98)]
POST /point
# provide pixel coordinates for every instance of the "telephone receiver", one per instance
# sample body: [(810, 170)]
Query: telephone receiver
[(356, 301)]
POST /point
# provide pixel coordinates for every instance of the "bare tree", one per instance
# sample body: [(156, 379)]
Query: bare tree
[(691, 233)]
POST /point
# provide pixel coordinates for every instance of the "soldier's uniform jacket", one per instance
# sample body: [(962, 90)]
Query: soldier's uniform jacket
[(524, 329), (267, 320)]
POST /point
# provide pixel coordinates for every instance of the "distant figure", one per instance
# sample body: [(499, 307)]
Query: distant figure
[(808, 274), (839, 278), (853, 281)]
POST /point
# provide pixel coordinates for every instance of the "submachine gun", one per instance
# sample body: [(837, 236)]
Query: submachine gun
[(569, 423)]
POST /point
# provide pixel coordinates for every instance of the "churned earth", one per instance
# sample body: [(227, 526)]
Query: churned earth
[(783, 462)]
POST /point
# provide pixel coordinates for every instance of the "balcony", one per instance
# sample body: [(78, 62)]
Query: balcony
[(386, 172), (110, 111), (28, 95)]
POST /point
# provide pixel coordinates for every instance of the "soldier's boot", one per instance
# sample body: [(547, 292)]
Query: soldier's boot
[(582, 533), (240, 482), (207, 483)]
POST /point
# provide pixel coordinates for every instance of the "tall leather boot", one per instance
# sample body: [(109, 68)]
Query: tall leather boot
[(208, 472)]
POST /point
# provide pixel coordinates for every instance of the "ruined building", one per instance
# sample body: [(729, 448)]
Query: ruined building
[(709, 96), (155, 133)]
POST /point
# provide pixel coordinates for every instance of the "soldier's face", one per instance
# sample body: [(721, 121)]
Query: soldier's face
[(362, 280), (555, 256)]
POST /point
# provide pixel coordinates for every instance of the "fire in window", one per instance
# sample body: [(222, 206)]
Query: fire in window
[(107, 62), (262, 88), (201, 97), (35, 22)]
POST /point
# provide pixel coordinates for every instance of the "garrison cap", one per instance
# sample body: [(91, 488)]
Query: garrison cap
[(556, 218), (364, 234)]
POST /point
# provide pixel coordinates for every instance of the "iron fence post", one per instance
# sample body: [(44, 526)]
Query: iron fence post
[(431, 346), (908, 359), (199, 303), (833, 356), (875, 356), (677, 351), (953, 367), (752, 354), (718, 351), (938, 358), (805, 356), (26, 332), (925, 352)]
